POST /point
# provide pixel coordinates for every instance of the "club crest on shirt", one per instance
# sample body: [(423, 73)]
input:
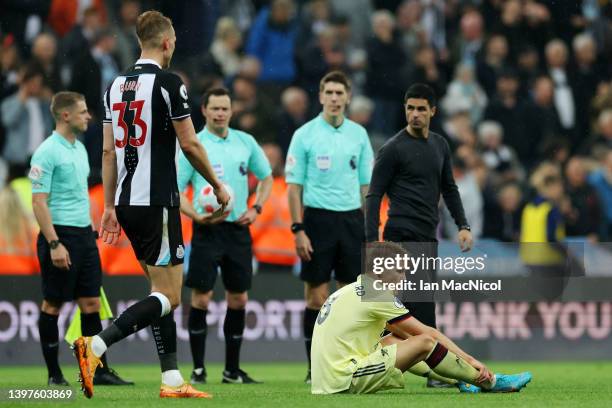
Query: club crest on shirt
[(180, 252), (397, 303), (243, 168)]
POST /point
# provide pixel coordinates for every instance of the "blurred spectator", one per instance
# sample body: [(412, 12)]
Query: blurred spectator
[(587, 74), (510, 26), (271, 231), (253, 113), (23, 21), (320, 57), (602, 140), (78, 41), (412, 35), (471, 197), (540, 121), (26, 119), (493, 62), (499, 158), (94, 71), (537, 25), (601, 180), (44, 52), (528, 66), (224, 58), (470, 41), (272, 41), (565, 104), (506, 110), (457, 125), (502, 216), (355, 54), (555, 149), (9, 67), (427, 71), (315, 17), (241, 11), (434, 25), (359, 13), (384, 80), (584, 216), (294, 113), (128, 49), (64, 15), (361, 109), (465, 88), (17, 236)]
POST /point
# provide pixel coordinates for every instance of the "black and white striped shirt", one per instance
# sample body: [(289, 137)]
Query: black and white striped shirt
[(141, 104)]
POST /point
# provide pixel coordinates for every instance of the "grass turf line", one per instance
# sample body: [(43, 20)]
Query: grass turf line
[(571, 384)]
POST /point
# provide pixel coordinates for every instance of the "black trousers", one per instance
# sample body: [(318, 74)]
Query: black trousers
[(416, 245)]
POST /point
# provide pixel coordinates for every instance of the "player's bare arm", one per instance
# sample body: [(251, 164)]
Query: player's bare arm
[(296, 208), (110, 227), (196, 154), (59, 256), (262, 193)]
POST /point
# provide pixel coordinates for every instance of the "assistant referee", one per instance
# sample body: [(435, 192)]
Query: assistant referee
[(413, 168), (328, 169)]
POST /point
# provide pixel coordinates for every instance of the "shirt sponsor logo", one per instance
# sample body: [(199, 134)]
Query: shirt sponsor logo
[(36, 173), (324, 163)]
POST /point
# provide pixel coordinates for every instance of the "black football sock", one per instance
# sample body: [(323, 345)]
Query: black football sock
[(198, 329), (90, 326), (164, 333), (233, 327), (310, 318), (134, 318), (49, 341)]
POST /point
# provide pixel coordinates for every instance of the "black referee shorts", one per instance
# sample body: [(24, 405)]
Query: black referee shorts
[(84, 277), (226, 245), (336, 238), (155, 233)]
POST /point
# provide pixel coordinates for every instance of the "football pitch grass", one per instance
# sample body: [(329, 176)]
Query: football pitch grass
[(554, 384)]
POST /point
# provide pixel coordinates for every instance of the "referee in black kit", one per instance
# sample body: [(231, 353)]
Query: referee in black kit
[(413, 168)]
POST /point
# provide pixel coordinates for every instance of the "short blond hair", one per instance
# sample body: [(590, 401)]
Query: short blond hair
[(64, 100), (150, 27)]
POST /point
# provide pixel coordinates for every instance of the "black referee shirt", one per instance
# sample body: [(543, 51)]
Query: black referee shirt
[(413, 172)]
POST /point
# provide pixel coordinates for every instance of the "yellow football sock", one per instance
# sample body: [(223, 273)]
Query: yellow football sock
[(423, 370), (448, 364)]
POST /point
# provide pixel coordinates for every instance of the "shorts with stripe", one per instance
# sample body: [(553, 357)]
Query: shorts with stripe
[(155, 233), (377, 372)]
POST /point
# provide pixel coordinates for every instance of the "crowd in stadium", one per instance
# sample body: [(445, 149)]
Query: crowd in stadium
[(524, 87)]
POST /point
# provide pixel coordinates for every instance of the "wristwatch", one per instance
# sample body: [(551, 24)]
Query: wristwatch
[(465, 227), (54, 243), (257, 208), (297, 226)]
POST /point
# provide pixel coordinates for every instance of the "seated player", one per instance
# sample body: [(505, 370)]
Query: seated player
[(348, 354)]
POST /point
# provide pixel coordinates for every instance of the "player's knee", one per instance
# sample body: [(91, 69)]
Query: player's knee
[(426, 342), (175, 300), (316, 296), (200, 300), (237, 300), (51, 307)]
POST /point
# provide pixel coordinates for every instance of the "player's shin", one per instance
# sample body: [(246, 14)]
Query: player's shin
[(164, 333), (233, 328), (423, 370), (49, 341), (197, 337), (448, 364)]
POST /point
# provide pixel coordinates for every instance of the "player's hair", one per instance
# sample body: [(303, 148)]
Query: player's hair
[(64, 100), (335, 76), (216, 91), (385, 249), (421, 91), (150, 27)]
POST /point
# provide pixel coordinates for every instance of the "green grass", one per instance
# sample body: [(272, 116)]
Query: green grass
[(571, 384)]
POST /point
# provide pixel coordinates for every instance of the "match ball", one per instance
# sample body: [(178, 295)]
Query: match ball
[(208, 200)]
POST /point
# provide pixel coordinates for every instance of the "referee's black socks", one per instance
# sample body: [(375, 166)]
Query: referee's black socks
[(310, 318), (198, 329), (233, 327), (49, 341), (90, 326)]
